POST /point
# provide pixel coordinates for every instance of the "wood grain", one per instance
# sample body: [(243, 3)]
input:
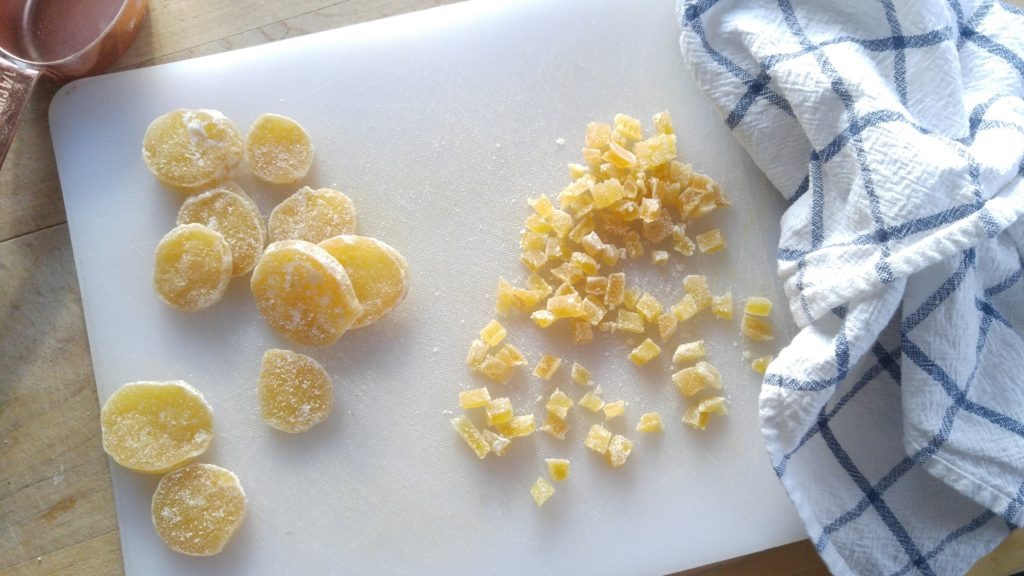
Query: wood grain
[(56, 505)]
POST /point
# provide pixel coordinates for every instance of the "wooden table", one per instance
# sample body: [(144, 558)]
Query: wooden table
[(56, 505)]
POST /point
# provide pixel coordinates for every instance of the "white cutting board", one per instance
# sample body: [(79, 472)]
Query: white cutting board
[(438, 125)]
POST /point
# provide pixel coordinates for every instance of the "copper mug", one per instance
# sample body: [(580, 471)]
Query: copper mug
[(62, 39)]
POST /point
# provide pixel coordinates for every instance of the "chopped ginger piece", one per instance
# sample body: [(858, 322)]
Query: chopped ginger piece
[(614, 409), (629, 127), (476, 398), (663, 123), (713, 405), (659, 257), (474, 439), (710, 241), (499, 410), (495, 369), (721, 306), (541, 491), (542, 205), (576, 171), (619, 449), (582, 332), (566, 306), (477, 353), (197, 509), (629, 299), (760, 365), (580, 375), (596, 285), (493, 333), (697, 286), (756, 328), (645, 352), (511, 356), (655, 151), (278, 149), (584, 262), (598, 438), (629, 322), (695, 419), (689, 352), (696, 378), (558, 468), (685, 309), (547, 366), (504, 301), (619, 157), (614, 292), (154, 427), (543, 318), (518, 426), (498, 443), (649, 422), (593, 312), (648, 307), (591, 401), (294, 391), (667, 324), (555, 426), (757, 306), (559, 404), (599, 134)]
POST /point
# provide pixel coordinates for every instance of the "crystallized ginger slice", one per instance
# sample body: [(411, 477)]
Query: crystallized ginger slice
[(235, 217), (193, 267), (304, 293), (192, 150), (278, 149), (196, 510), (294, 390), (379, 274), (313, 216), (154, 427)]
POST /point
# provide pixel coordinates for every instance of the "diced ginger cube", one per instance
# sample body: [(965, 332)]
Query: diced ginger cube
[(499, 444), (537, 284), (543, 318), (619, 157), (592, 156), (592, 243), (634, 247), (685, 309), (591, 401), (721, 306), (659, 229), (533, 241), (689, 352), (537, 223), (495, 369), (555, 426), (558, 468), (607, 193), (613, 410), (511, 356), (712, 405), (546, 367), (760, 365), (663, 122), (464, 426), (659, 257), (584, 262), (711, 374), (655, 151), (583, 228), (518, 427), (629, 322), (599, 134), (555, 249), (541, 205), (710, 241), (477, 353), (561, 222), (695, 419), (499, 410), (580, 375), (684, 246), (559, 404), (648, 307), (576, 171), (697, 286), (596, 285), (493, 333), (696, 378), (629, 299), (649, 422), (566, 306), (534, 259), (667, 324), (757, 306), (611, 254), (645, 352), (526, 300), (618, 450), (582, 332), (756, 328), (597, 439), (476, 398), (541, 490), (615, 290), (566, 289), (593, 312), (629, 127), (504, 302)]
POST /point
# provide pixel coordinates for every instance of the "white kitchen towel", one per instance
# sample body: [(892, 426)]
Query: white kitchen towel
[(895, 129)]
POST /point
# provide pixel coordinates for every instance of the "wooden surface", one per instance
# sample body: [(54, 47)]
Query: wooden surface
[(56, 507)]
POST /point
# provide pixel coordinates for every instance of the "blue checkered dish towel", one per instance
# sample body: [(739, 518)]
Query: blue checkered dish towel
[(895, 418)]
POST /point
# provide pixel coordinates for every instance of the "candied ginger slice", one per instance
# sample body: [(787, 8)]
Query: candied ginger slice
[(235, 217), (192, 267), (278, 149), (197, 509), (379, 274), (192, 150), (294, 390), (313, 216)]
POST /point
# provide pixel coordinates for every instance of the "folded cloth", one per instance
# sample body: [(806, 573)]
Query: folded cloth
[(895, 418)]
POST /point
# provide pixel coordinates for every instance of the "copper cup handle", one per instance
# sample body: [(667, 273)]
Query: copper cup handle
[(15, 87)]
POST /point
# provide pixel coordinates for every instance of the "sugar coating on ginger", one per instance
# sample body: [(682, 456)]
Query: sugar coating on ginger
[(379, 274), (278, 149), (233, 215), (192, 267), (304, 293), (313, 216), (153, 427), (192, 150), (197, 509), (294, 390)]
